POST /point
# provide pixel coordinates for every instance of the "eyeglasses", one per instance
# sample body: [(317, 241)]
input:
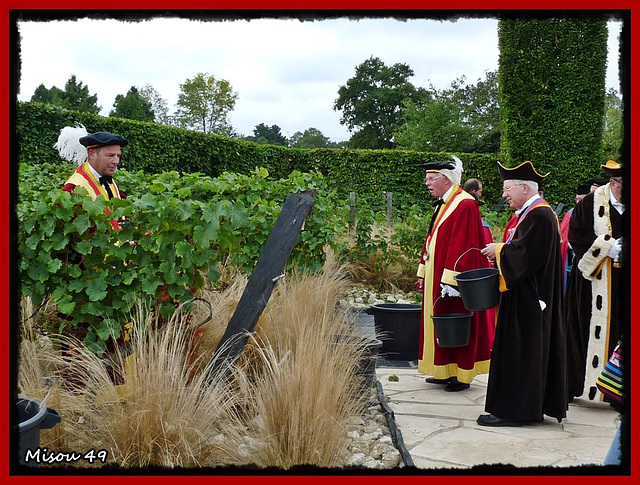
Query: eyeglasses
[(428, 179), (507, 189)]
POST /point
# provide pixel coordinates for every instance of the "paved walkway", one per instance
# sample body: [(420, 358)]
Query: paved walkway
[(439, 428)]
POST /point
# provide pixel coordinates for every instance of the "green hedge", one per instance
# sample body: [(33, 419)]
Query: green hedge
[(156, 148), (552, 90), (153, 148)]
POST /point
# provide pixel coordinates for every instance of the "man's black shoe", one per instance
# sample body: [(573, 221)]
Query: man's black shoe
[(433, 380), (491, 420), (455, 386)]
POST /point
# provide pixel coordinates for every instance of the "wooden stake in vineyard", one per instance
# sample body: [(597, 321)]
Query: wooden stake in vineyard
[(268, 270)]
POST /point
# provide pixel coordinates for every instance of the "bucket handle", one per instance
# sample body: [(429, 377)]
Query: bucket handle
[(433, 307), (459, 257)]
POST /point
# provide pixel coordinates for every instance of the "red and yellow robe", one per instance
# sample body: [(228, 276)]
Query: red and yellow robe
[(510, 228), (83, 177), (448, 251)]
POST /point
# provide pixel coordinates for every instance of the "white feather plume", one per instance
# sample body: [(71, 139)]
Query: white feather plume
[(68, 144), (454, 174)]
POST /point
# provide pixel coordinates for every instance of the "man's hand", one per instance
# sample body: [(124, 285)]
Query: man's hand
[(489, 251)]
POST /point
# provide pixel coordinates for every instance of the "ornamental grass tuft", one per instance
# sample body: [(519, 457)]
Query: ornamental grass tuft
[(155, 402)]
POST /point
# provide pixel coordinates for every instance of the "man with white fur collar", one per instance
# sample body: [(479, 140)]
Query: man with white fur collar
[(455, 229), (595, 234)]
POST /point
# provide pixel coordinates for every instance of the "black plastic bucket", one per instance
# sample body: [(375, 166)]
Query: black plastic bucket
[(32, 417), (397, 325), (452, 330), (479, 288)]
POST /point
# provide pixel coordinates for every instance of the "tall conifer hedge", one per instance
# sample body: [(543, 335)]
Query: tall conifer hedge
[(552, 89)]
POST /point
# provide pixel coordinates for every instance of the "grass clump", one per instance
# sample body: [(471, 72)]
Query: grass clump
[(158, 402)]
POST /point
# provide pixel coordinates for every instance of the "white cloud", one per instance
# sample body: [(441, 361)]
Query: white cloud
[(286, 72)]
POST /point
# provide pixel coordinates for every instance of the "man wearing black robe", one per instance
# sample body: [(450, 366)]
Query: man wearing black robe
[(592, 298), (527, 377)]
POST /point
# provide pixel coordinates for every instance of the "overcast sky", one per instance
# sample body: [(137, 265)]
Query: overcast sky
[(286, 72)]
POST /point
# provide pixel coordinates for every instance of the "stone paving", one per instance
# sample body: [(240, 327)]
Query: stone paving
[(439, 428)]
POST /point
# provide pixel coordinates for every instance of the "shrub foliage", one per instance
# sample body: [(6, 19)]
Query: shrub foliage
[(178, 231)]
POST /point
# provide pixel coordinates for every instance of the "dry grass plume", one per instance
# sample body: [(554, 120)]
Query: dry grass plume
[(287, 402)]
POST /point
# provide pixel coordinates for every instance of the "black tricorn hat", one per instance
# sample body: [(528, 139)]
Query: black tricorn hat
[(524, 171), (102, 139), (434, 166), (612, 168)]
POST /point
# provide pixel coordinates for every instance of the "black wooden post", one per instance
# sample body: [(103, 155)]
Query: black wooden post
[(389, 196), (268, 270), (352, 212)]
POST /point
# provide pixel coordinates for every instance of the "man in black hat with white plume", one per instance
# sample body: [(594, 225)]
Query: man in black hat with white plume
[(97, 155), (455, 229), (527, 377)]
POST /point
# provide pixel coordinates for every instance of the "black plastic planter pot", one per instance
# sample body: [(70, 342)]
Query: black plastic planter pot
[(366, 370), (32, 417), (398, 326)]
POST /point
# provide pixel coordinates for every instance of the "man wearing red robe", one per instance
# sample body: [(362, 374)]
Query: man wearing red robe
[(474, 187), (452, 245), (103, 151), (97, 156)]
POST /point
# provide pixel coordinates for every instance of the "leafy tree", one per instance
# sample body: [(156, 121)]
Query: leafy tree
[(310, 138), (204, 103), (483, 112), (613, 127), (50, 96), (367, 137), (132, 107), (371, 102), (269, 135), (460, 118), (158, 104), (433, 127), (75, 96)]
